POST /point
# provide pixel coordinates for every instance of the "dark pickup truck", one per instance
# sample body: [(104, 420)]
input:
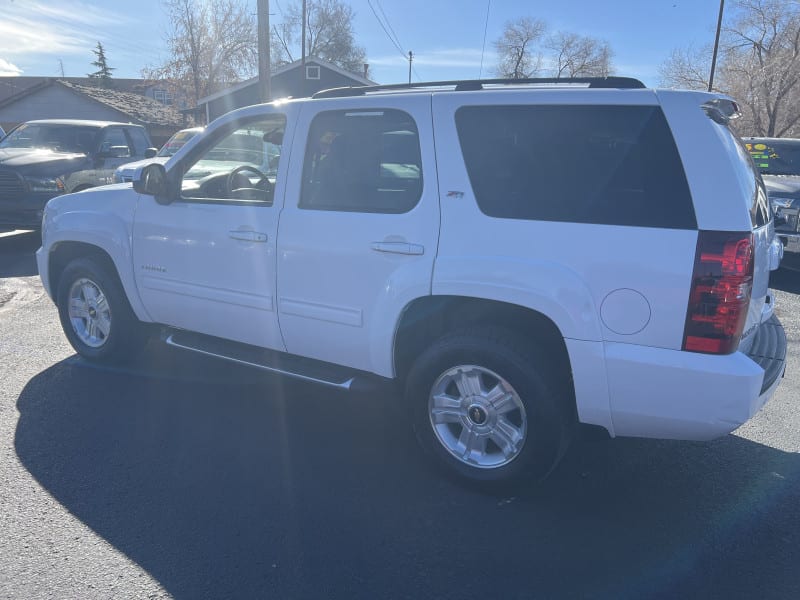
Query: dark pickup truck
[(43, 159)]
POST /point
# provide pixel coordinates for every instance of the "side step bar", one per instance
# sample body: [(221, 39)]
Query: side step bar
[(267, 360)]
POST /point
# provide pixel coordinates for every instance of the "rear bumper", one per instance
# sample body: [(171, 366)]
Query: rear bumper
[(669, 394)]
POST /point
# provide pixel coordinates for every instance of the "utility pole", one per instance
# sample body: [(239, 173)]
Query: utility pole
[(716, 46), (264, 88), (410, 58), (303, 40), (61, 64)]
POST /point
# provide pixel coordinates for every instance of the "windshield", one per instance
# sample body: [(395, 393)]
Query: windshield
[(176, 142), (55, 137), (775, 157)]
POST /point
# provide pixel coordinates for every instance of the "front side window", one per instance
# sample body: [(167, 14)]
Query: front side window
[(241, 165), (613, 165), (362, 161)]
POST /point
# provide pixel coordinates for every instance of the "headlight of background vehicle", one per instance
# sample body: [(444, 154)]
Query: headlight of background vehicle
[(46, 184)]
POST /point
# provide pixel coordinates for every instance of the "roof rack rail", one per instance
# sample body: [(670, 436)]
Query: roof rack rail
[(477, 84)]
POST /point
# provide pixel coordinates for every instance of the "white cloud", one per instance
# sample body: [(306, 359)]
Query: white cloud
[(9, 69), (33, 28)]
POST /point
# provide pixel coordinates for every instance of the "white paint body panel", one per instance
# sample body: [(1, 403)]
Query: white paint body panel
[(101, 217), (340, 299), (193, 275), (661, 393)]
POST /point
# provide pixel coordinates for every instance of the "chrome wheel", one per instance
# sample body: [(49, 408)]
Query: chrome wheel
[(477, 416), (89, 312)]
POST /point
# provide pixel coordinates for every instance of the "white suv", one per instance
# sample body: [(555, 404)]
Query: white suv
[(522, 256)]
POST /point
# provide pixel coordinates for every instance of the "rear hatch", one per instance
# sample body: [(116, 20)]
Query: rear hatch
[(736, 251), (766, 247), (736, 243)]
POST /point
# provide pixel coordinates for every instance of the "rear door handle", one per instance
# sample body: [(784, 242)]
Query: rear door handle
[(248, 236), (398, 247)]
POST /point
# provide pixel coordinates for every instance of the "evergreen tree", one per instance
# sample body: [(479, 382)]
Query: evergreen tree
[(103, 72)]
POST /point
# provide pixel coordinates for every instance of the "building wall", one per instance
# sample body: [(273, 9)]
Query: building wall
[(291, 83), (56, 102)]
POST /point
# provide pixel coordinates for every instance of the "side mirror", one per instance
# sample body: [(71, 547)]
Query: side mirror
[(150, 152), (151, 180)]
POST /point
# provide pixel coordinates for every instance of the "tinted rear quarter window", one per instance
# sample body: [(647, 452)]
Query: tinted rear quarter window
[(614, 165)]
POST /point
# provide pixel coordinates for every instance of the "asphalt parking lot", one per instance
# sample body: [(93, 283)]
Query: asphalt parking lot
[(181, 477)]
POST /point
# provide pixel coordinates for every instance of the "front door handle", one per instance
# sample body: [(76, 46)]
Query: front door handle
[(247, 236), (398, 247)]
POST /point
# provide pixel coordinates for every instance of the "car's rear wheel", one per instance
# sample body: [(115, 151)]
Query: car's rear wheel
[(95, 314), (490, 407)]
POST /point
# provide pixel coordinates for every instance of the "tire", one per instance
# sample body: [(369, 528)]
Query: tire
[(95, 314), (491, 408)]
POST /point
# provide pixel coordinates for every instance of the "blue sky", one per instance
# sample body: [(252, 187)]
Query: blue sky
[(446, 37)]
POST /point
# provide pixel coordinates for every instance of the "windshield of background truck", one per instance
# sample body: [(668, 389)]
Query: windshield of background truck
[(775, 158), (58, 138)]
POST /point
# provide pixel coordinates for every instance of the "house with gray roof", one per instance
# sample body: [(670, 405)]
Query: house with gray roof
[(292, 80), (51, 98)]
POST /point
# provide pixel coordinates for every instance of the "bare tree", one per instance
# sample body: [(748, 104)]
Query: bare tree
[(762, 64), (517, 49), (759, 66), (329, 35), (212, 44), (573, 55), (525, 50), (687, 68)]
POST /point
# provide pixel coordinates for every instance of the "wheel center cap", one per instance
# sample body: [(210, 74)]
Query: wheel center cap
[(92, 313), (477, 414)]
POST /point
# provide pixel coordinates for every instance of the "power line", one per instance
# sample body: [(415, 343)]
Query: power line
[(385, 18), (391, 39)]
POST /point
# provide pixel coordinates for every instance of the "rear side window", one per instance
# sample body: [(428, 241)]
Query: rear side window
[(362, 161), (612, 165)]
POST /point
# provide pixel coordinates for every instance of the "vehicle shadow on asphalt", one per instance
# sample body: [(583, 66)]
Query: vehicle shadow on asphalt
[(18, 254), (222, 483)]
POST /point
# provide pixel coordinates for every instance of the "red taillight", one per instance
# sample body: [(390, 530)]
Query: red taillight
[(720, 295)]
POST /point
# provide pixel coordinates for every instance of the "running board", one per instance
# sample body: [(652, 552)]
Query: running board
[(267, 360)]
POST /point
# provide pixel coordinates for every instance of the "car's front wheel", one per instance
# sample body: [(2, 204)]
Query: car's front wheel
[(95, 314), (490, 407)]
